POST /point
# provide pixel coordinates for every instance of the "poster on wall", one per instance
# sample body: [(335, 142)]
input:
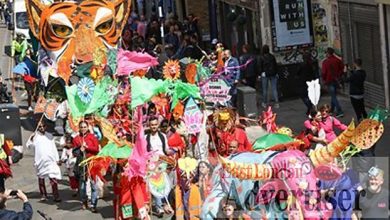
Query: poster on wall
[(291, 23)]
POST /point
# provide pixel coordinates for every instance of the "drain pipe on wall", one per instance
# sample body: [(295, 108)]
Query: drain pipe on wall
[(384, 52)]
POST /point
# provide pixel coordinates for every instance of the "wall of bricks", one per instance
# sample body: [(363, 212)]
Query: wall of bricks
[(200, 9)]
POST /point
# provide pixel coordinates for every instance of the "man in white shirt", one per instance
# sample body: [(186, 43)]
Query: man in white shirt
[(46, 160), (157, 142)]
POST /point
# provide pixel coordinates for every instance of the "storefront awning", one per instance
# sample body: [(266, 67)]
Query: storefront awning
[(387, 2)]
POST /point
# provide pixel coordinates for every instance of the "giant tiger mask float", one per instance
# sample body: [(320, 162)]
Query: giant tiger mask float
[(73, 33)]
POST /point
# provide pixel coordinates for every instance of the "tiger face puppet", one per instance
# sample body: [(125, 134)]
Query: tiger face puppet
[(73, 32)]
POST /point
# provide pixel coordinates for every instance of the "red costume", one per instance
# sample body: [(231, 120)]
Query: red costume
[(131, 194), (225, 137), (90, 141), (5, 170)]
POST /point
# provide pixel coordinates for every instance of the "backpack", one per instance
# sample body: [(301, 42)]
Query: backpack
[(162, 138)]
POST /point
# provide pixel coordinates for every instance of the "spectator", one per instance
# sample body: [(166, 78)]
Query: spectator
[(249, 74), (232, 71), (178, 32), (374, 201), (153, 31), (305, 73), (362, 162), (192, 49), (150, 45), (193, 25), (332, 70), (356, 89), (329, 122), (170, 51), (141, 27), (268, 67), (27, 212), (172, 38), (183, 46), (314, 132), (46, 160)]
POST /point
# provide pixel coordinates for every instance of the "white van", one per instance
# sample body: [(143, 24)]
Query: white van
[(20, 18)]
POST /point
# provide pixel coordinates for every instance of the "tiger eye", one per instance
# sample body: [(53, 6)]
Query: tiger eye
[(104, 27), (61, 30)]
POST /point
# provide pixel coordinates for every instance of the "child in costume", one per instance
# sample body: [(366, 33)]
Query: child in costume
[(69, 160)]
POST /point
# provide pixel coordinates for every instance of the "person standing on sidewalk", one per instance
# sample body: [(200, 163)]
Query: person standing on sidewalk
[(249, 73), (268, 68), (306, 72), (46, 160), (332, 70), (356, 89), (232, 71)]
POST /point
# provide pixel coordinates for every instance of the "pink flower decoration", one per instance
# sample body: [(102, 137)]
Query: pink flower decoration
[(130, 61)]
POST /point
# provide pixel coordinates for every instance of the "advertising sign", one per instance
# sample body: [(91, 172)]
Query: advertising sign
[(291, 23)]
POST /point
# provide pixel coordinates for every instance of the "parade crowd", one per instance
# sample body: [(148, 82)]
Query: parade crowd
[(168, 187)]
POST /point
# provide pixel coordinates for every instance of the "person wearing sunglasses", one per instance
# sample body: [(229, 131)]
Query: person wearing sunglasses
[(46, 160)]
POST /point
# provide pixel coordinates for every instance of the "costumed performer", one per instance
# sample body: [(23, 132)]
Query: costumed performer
[(46, 160), (85, 146)]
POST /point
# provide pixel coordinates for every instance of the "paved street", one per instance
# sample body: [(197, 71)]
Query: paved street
[(290, 114)]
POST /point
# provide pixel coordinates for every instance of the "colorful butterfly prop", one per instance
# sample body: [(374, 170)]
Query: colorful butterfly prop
[(85, 89), (171, 70)]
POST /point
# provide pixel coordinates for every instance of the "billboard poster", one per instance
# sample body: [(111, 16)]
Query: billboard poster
[(291, 23)]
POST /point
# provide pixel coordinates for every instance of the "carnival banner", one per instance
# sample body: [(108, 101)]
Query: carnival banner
[(216, 91), (192, 117)]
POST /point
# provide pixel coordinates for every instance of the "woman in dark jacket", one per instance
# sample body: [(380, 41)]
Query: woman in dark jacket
[(306, 73), (356, 89)]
